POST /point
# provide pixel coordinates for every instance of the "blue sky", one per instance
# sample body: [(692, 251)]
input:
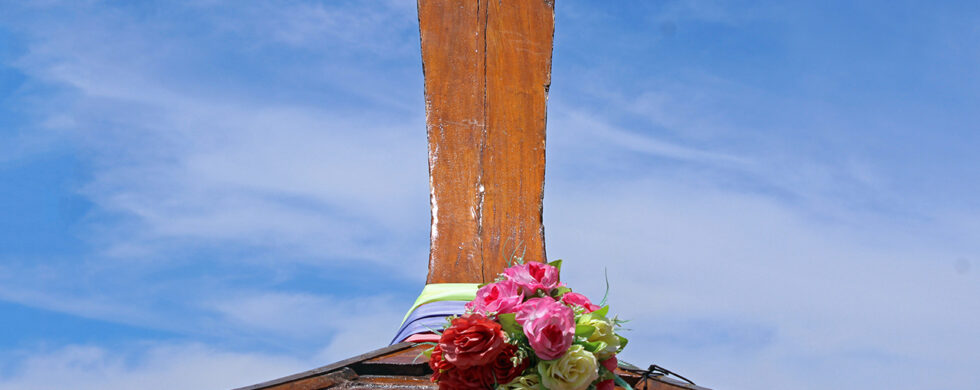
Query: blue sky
[(211, 194)]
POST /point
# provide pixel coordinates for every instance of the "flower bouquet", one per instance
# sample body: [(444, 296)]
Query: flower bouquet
[(526, 330)]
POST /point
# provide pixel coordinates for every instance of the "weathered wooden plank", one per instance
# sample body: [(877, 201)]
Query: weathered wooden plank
[(634, 376), (453, 61), (408, 356), (519, 46), (664, 383), (322, 381), (408, 362), (396, 367), (487, 71), (320, 371), (390, 382)]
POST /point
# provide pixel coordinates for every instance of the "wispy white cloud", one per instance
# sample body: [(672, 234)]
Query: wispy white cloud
[(178, 170), (758, 245), (350, 323), (618, 140), (711, 11), (766, 290), (703, 128), (179, 162), (150, 366)]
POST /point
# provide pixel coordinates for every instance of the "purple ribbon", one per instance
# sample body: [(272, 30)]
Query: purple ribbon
[(428, 317)]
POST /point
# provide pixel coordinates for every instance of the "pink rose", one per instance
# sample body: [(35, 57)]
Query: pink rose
[(549, 326), (501, 297), (577, 299), (606, 385), (533, 276)]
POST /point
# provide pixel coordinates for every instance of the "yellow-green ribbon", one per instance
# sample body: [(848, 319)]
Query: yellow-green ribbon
[(444, 292)]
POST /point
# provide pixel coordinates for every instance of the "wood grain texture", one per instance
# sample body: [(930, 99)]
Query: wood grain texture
[(400, 367), (487, 71), (318, 382), (303, 377)]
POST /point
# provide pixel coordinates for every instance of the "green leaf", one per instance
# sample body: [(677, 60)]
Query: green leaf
[(559, 291), (594, 346), (514, 258), (601, 312), (619, 381), (584, 330), (606, 295), (519, 259), (436, 331), (622, 342), (508, 322), (556, 264), (427, 354)]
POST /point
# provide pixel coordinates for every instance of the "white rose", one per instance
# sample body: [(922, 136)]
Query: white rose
[(575, 370), (524, 382), (603, 332)]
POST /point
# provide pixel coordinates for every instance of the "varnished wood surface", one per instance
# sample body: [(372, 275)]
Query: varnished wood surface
[(487, 71), (398, 367), (322, 381), (303, 377)]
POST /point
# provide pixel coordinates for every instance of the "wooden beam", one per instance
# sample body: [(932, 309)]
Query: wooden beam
[(487, 68)]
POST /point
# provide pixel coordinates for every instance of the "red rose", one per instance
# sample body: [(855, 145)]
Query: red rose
[(607, 384), (472, 340), (473, 378), (611, 363), (438, 364), (451, 377), (503, 368)]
